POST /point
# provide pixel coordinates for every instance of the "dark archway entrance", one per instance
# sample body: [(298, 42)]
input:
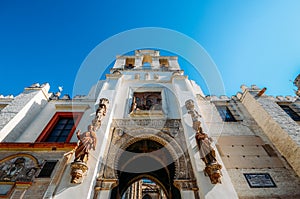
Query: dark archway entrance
[(150, 159)]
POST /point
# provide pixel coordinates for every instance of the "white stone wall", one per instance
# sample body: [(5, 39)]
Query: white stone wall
[(27, 115), (287, 184), (285, 178), (16, 116), (280, 129)]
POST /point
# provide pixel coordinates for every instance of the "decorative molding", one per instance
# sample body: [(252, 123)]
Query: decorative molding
[(37, 146), (69, 107)]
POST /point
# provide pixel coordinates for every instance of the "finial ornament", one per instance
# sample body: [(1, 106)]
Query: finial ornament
[(206, 151)]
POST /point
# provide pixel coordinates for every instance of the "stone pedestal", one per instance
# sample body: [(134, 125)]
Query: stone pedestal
[(78, 170)]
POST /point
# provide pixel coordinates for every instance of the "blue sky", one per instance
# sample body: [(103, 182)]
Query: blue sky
[(250, 41)]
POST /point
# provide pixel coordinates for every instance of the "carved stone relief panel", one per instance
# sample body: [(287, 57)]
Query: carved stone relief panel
[(18, 168), (145, 101)]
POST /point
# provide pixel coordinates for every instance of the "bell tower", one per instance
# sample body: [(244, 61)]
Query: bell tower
[(151, 132)]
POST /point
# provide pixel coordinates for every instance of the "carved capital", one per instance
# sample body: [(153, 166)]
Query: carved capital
[(106, 184)]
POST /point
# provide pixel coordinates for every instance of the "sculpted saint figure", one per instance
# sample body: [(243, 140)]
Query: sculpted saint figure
[(207, 153), (87, 141)]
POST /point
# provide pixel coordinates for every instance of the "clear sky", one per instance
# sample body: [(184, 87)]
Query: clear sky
[(250, 41)]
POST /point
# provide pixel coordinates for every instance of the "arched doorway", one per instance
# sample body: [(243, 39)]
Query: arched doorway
[(146, 159), (144, 189)]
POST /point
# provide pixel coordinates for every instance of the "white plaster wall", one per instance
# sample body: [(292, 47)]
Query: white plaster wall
[(206, 189), (155, 63), (85, 190), (173, 62), (138, 62), (37, 125), (120, 62), (94, 92), (281, 130), (19, 114)]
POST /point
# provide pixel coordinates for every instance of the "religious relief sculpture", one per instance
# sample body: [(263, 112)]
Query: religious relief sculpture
[(86, 142), (146, 101), (207, 153), (20, 169)]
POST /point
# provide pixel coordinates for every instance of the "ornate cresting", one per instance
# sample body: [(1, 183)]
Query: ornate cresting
[(207, 153), (87, 141)]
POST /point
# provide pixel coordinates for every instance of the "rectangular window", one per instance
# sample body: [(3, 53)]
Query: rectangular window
[(225, 114), (5, 189), (60, 128), (290, 112), (47, 169)]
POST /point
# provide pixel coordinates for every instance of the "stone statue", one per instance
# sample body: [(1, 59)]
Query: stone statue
[(100, 113), (207, 153), (87, 141)]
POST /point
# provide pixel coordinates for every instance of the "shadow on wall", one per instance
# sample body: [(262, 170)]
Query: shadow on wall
[(28, 118)]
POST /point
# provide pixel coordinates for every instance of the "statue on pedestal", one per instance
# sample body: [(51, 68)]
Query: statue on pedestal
[(207, 152), (87, 141)]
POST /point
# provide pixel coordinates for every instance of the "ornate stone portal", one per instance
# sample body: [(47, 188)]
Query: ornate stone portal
[(161, 142), (87, 141), (207, 153)]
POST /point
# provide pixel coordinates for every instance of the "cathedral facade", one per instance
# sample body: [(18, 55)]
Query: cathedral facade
[(147, 131)]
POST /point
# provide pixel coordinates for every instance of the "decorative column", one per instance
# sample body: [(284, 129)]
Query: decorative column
[(87, 141), (206, 151)]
